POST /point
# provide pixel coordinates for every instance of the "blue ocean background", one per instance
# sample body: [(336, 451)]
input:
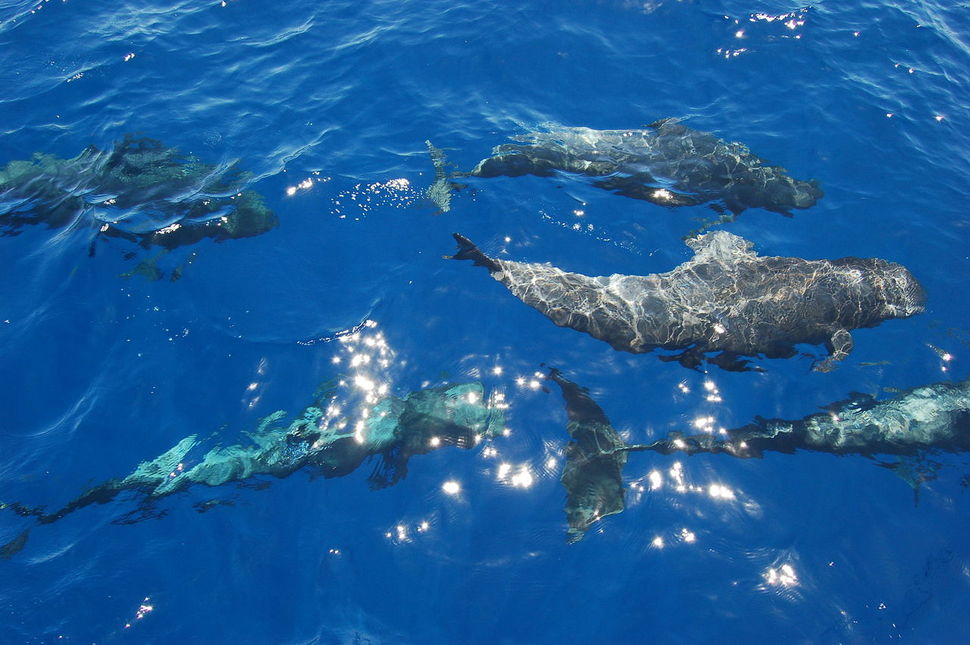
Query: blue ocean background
[(329, 105)]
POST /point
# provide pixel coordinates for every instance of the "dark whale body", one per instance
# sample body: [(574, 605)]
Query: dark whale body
[(668, 164), (725, 299)]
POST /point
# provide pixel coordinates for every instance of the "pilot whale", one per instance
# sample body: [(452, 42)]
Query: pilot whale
[(930, 417), (318, 440), (725, 299), (139, 190), (667, 164), (925, 419)]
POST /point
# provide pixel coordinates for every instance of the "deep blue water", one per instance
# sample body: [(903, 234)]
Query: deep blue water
[(100, 372)]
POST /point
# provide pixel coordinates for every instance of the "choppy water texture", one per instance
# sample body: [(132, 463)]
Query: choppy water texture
[(327, 107)]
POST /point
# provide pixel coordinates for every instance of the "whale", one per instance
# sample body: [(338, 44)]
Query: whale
[(933, 417), (139, 190), (666, 163), (724, 306), (318, 440), (914, 422)]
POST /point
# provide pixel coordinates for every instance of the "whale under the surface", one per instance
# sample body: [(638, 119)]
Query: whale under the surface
[(139, 190), (666, 163), (914, 422), (725, 303), (933, 417), (319, 440)]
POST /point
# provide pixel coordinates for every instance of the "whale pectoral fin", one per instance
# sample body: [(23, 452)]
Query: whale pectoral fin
[(644, 186), (839, 346), (14, 546), (691, 358), (734, 363), (734, 206)]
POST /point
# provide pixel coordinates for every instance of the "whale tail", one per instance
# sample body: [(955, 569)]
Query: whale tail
[(468, 251), (441, 191)]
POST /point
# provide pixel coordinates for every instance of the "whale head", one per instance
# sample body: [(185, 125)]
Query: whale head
[(782, 194), (904, 295), (886, 289)]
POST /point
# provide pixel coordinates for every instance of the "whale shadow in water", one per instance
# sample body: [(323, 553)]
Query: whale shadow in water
[(726, 299), (139, 190), (318, 440), (667, 164)]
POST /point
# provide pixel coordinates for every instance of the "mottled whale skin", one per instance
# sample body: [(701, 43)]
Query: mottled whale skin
[(725, 299), (932, 417), (668, 164)]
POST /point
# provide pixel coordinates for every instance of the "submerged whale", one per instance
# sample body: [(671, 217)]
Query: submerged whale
[(726, 299), (931, 417), (319, 440), (139, 190), (667, 164)]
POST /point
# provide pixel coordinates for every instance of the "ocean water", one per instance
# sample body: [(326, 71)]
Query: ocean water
[(328, 105)]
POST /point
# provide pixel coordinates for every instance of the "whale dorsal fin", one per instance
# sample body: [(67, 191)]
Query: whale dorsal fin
[(720, 245)]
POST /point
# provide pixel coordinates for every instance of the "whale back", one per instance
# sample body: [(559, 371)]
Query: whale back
[(667, 163)]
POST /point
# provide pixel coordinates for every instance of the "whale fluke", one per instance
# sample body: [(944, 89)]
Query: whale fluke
[(595, 456), (468, 251)]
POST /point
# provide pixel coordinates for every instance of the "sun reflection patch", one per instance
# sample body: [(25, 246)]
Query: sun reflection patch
[(144, 609), (362, 199), (676, 479), (783, 576), (720, 491), (451, 487), (759, 27), (405, 532), (517, 477)]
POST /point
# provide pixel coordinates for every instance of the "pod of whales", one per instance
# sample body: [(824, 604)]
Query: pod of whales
[(667, 164), (139, 190), (725, 299), (318, 440)]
